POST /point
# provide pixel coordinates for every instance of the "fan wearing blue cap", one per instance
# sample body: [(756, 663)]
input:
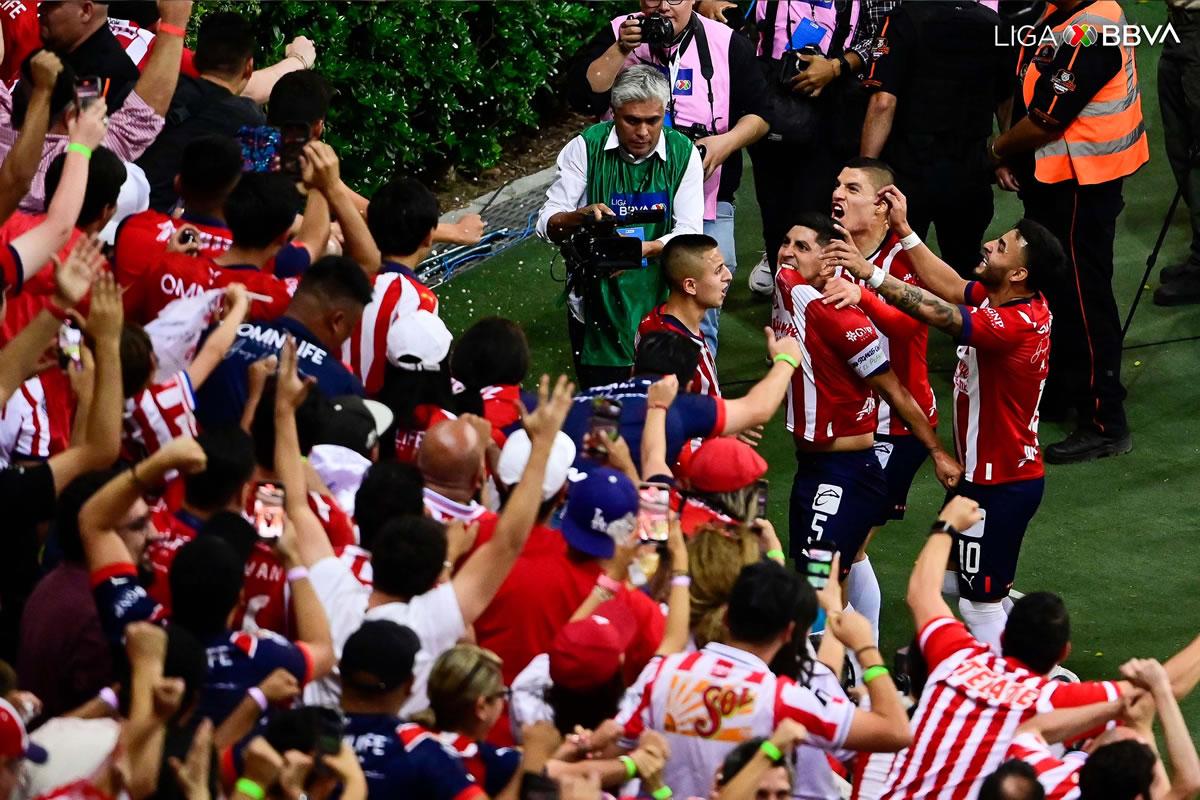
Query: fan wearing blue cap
[(601, 511)]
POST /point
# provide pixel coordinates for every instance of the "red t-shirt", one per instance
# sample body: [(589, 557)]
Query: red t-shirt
[(408, 441), (19, 23), (142, 238)]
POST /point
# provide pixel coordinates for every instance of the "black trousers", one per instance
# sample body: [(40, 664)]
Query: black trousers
[(790, 179), (588, 375), (961, 213), (1085, 340), (1179, 100)]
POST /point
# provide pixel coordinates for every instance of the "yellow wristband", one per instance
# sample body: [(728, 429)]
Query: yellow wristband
[(785, 358)]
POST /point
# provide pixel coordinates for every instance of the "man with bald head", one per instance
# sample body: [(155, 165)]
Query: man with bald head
[(451, 461), (698, 279)]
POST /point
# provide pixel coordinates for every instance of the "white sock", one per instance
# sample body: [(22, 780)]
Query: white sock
[(950, 583), (862, 591), (986, 620)]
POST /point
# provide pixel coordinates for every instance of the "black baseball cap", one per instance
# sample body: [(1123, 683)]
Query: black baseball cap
[(379, 656), (355, 423)]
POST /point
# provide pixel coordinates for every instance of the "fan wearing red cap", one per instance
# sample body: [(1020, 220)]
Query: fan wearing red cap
[(720, 486), (15, 747)]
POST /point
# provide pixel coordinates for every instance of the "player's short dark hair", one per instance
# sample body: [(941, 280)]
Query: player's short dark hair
[(137, 359), (337, 279), (492, 352), (1037, 631), (310, 420), (62, 95), (300, 97), (389, 490), (737, 758), (206, 583), (230, 454), (880, 171), (820, 224), (766, 598), (70, 501), (1044, 255), (224, 43), (1118, 771), (1012, 780), (681, 252), (233, 528), (261, 208), (210, 169), (586, 708), (666, 353), (106, 174), (298, 729), (400, 215), (408, 555)]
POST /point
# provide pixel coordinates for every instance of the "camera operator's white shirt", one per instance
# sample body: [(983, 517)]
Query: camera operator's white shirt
[(569, 190)]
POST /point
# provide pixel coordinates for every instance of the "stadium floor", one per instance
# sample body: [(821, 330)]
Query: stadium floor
[(1111, 536)]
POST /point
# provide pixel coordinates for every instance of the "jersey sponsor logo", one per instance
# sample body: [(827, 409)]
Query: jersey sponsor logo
[(721, 702), (993, 317), (624, 203), (828, 499), (683, 82), (1063, 82), (868, 408), (860, 333), (1085, 34), (371, 744), (696, 707), (177, 287)]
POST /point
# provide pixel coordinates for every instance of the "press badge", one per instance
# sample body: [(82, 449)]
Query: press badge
[(807, 32)]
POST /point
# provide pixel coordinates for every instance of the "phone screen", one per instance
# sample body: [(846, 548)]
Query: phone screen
[(293, 137), (87, 89), (762, 493), (260, 148), (603, 426), (819, 565), (268, 510), (70, 344), (654, 501)]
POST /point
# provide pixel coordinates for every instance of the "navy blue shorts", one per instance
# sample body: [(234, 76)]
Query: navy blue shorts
[(901, 457), (987, 551), (836, 498)]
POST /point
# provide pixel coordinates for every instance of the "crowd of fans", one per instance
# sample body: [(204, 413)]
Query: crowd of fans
[(278, 532)]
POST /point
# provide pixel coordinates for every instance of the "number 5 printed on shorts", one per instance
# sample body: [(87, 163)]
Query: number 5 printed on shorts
[(826, 503)]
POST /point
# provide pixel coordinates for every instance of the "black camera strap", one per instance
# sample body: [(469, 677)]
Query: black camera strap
[(706, 68)]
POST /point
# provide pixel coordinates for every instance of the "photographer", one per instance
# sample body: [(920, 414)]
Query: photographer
[(718, 98), (631, 164)]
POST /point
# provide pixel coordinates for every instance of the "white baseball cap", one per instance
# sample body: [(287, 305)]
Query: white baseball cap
[(515, 455), (418, 341)]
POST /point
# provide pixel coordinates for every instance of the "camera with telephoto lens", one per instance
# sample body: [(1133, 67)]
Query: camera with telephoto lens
[(792, 65), (696, 131), (657, 30), (595, 250)]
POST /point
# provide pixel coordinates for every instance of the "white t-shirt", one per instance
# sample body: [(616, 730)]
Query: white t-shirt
[(434, 616)]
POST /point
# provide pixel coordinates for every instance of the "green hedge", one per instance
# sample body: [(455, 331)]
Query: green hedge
[(424, 85)]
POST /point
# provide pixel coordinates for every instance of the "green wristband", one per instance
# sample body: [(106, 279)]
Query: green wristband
[(785, 358), (82, 149), (630, 766), (772, 752), (776, 553), (871, 673), (249, 788), (662, 793)]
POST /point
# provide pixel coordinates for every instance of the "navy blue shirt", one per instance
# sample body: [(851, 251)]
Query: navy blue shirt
[(239, 661), (415, 764), (691, 416), (223, 396)]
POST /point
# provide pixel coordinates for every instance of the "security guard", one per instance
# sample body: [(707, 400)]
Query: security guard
[(936, 80), (1079, 113)]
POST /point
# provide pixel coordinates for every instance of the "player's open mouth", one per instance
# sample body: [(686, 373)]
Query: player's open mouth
[(838, 211)]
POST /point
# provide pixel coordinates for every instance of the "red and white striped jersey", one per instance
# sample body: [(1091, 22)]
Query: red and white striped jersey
[(709, 701), (36, 421), (969, 713), (839, 348), (1059, 777), (705, 379), (138, 43), (905, 340), (1003, 360), (396, 293), (159, 414)]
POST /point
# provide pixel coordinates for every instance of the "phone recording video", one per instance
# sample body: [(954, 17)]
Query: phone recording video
[(603, 426), (819, 564), (268, 509), (654, 504), (70, 345), (88, 89), (762, 494)]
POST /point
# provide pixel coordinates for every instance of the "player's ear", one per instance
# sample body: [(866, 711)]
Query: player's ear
[(689, 286)]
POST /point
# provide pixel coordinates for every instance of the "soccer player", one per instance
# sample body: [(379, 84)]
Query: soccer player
[(698, 280), (1003, 326), (857, 207), (975, 697), (839, 490)]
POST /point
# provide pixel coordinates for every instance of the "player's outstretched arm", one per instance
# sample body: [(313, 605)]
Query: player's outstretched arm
[(949, 471), (761, 402), (925, 583), (1148, 674), (940, 277), (1067, 723)]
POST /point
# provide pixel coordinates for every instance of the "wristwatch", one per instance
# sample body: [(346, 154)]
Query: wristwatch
[(941, 526)]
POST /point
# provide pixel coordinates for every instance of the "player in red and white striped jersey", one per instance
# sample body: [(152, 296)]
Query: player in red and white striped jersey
[(839, 490), (698, 281), (36, 422), (1002, 324), (706, 702)]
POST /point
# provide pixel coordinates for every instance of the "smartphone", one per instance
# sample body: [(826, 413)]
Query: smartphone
[(654, 501), (70, 345), (260, 148), (762, 493), (268, 509), (87, 90), (819, 564), (292, 138), (604, 426)]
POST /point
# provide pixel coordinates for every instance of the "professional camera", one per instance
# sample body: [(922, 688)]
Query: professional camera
[(792, 65), (595, 250), (657, 30), (696, 131)]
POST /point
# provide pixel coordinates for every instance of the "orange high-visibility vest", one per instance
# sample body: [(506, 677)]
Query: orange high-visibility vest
[(1108, 139)]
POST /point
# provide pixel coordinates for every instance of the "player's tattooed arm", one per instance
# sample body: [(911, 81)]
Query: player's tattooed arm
[(923, 305)]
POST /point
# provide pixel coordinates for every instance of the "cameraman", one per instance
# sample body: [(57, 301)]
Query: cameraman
[(632, 164), (718, 98)]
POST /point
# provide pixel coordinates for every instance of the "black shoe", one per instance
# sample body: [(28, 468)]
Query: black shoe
[(1087, 444), (1182, 291), (1177, 271)]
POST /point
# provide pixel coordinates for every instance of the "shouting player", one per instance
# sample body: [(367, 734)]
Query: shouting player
[(839, 490), (1003, 327)]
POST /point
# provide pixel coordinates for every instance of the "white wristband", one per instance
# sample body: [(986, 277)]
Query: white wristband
[(258, 696), (877, 278), (910, 241), (296, 574), (109, 698)]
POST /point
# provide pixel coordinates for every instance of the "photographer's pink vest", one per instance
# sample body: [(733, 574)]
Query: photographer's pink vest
[(792, 11), (690, 91)]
